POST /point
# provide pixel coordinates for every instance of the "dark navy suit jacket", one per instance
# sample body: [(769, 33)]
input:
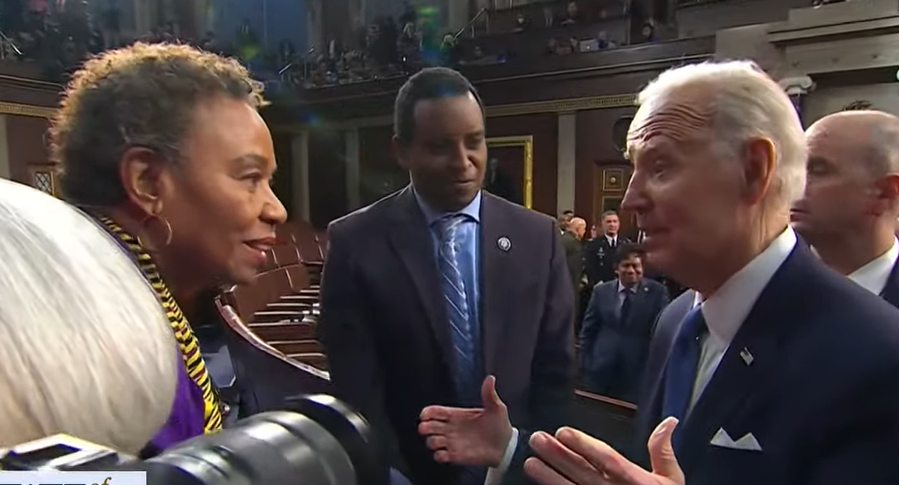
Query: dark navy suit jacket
[(387, 335), (613, 352), (821, 394)]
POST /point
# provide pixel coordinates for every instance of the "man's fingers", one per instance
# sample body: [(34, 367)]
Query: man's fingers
[(442, 456), (599, 455), (427, 428), (489, 398), (661, 451), (435, 413), (543, 474), (437, 442), (565, 461)]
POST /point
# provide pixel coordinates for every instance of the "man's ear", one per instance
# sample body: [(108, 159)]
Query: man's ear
[(758, 168), (400, 152), (141, 171), (886, 195)]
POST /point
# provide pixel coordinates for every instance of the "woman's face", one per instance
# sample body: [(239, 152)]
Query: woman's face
[(220, 203)]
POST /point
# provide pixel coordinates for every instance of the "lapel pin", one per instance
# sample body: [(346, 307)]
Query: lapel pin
[(504, 244), (746, 356)]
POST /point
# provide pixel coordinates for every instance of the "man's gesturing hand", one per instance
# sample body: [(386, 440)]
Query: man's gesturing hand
[(573, 457), (469, 436)]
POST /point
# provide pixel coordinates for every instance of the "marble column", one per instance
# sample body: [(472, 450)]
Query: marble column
[(797, 88), (299, 173), (315, 26), (566, 162), (5, 171), (353, 180), (457, 14), (143, 17)]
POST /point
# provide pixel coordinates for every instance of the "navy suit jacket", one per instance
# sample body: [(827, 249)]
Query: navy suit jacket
[(387, 335), (821, 394), (613, 353)]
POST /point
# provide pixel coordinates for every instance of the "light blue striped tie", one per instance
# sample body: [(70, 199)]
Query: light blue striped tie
[(455, 294)]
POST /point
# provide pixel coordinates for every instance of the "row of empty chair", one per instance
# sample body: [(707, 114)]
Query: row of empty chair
[(281, 306)]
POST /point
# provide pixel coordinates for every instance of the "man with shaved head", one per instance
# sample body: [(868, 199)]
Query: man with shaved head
[(773, 369), (851, 202)]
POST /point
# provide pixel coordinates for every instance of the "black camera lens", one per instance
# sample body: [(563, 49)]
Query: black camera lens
[(320, 441)]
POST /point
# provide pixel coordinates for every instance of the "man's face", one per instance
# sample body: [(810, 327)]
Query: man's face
[(630, 270), (685, 192), (840, 190), (610, 224), (447, 156)]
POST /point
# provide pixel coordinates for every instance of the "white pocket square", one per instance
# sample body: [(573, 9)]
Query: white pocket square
[(747, 442)]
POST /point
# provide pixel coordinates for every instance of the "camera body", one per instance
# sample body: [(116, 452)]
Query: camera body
[(319, 441)]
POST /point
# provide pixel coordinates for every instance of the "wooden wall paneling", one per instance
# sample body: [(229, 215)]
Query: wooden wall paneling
[(327, 176), (45, 178), (28, 146), (595, 149), (510, 168), (544, 128), (609, 185)]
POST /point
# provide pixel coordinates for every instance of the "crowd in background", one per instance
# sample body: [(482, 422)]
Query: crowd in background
[(60, 35)]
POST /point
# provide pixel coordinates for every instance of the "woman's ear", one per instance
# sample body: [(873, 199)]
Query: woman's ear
[(141, 171)]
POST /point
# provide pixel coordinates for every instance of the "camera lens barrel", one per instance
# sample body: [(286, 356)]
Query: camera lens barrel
[(319, 441)]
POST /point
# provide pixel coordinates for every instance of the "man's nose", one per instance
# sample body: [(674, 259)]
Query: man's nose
[(634, 198)]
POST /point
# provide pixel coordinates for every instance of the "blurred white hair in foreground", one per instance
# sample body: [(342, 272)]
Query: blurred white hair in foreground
[(85, 348)]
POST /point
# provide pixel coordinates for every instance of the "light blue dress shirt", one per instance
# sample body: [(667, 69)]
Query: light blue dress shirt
[(469, 238)]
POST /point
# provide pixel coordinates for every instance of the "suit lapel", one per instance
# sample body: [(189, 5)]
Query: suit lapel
[(651, 400), (891, 290), (497, 279), (638, 304), (412, 242), (748, 359)]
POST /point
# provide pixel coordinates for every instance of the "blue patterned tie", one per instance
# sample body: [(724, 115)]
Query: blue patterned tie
[(455, 294), (682, 367)]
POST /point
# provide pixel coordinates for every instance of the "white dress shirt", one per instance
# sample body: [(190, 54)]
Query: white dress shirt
[(874, 275), (727, 308)]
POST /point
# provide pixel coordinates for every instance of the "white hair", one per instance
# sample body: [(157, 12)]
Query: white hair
[(85, 347), (746, 104)]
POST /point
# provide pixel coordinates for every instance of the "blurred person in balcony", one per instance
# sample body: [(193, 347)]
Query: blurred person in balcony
[(86, 349), (164, 146), (572, 14)]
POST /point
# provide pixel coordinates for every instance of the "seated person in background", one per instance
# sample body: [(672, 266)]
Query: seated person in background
[(86, 349), (163, 145), (618, 327)]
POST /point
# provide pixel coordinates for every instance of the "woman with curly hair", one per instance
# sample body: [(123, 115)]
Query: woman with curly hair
[(164, 146)]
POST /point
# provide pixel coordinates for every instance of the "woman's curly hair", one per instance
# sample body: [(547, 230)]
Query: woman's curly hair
[(143, 95)]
